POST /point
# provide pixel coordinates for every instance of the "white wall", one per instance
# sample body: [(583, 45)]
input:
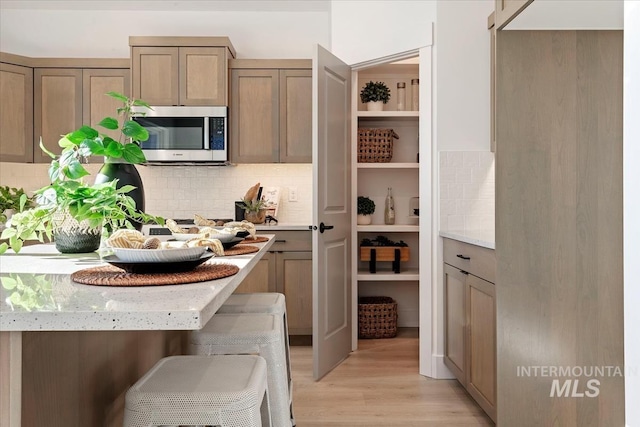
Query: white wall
[(462, 45), (631, 150), (98, 29), (365, 30)]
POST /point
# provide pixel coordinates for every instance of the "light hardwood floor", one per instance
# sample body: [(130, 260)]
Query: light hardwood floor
[(379, 385)]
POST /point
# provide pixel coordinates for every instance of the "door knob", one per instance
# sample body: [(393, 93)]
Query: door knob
[(325, 227)]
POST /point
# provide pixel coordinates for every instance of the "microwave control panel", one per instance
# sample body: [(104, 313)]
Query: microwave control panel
[(217, 133)]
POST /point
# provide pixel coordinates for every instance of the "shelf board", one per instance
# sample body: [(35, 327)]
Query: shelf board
[(385, 114), (388, 165), (388, 228), (389, 276)]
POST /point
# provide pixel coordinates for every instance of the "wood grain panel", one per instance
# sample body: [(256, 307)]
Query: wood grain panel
[(155, 74), (254, 131), (481, 262), (79, 378), (16, 113), (261, 278), (481, 373), (57, 107), (96, 105), (558, 222), (295, 269), (203, 76), (295, 116), (10, 378), (455, 322)]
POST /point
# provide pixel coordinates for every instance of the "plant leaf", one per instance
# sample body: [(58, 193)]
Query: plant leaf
[(140, 103), (3, 248), (133, 154), (118, 96), (47, 152), (109, 123), (135, 131), (76, 170), (9, 283), (113, 149)]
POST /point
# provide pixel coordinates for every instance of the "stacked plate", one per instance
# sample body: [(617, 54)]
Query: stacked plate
[(158, 261)]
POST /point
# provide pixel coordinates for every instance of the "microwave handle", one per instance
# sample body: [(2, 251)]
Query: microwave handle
[(207, 141)]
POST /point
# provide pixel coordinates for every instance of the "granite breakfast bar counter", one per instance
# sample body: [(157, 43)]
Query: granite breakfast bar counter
[(68, 355)]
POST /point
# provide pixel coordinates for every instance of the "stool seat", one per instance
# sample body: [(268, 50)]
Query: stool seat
[(251, 333), (179, 390)]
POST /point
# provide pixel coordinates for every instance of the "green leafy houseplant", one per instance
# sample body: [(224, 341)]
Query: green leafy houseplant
[(374, 92), (13, 199), (366, 206), (94, 206)]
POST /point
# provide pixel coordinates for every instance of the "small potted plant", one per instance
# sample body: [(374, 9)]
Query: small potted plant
[(366, 208), (254, 206), (375, 95)]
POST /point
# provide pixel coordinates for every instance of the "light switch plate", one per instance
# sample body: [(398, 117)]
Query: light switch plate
[(293, 194)]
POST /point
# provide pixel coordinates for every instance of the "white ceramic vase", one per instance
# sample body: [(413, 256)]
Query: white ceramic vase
[(375, 106), (364, 219)]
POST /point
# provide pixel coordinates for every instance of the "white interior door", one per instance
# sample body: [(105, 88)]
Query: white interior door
[(331, 208)]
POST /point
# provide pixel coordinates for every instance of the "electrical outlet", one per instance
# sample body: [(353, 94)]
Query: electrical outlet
[(293, 194)]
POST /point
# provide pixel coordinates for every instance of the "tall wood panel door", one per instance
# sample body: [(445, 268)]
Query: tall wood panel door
[(295, 116), (254, 131), (203, 75), (155, 74), (57, 107), (16, 113), (559, 251)]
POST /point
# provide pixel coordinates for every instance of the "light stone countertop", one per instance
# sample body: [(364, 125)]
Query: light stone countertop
[(484, 238), (71, 306)]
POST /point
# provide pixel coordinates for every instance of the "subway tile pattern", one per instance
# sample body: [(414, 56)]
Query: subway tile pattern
[(467, 190), (181, 191)]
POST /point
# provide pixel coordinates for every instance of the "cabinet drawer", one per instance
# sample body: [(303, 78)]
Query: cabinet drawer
[(479, 261), (290, 241)]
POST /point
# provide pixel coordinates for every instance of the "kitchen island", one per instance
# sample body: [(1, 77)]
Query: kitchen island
[(69, 352)]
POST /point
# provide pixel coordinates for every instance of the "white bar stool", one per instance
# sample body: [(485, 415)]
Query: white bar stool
[(227, 391), (250, 333), (266, 303)]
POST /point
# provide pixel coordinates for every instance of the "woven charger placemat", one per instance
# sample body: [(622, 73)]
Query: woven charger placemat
[(258, 239), (241, 250), (113, 276)]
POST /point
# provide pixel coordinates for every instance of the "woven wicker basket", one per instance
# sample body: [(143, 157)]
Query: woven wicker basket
[(377, 317), (375, 145)]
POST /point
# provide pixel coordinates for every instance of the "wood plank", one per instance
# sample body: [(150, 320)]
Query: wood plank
[(558, 221), (10, 378)]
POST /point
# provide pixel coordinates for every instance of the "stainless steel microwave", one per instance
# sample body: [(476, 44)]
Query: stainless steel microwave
[(185, 134)]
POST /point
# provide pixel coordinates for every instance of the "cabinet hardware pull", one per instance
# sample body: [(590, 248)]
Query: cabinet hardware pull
[(280, 241), (463, 257), (464, 272)]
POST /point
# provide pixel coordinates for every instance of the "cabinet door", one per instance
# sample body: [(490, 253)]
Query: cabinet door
[(295, 282), (481, 372), (254, 116), (454, 321), (295, 116), (16, 117), (203, 75), (96, 105), (57, 107), (155, 74), (262, 278)]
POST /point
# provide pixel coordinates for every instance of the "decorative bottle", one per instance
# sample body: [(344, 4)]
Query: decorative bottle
[(415, 94), (389, 209), (402, 96)]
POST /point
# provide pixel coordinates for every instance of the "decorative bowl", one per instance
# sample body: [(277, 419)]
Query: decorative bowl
[(159, 255)]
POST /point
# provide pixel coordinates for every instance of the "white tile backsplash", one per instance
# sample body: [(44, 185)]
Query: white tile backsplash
[(210, 191), (467, 190)]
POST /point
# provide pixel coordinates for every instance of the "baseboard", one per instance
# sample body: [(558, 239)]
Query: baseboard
[(440, 370)]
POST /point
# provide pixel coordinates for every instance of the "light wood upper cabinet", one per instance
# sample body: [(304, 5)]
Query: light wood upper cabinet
[(155, 74), (57, 107), (16, 113), (181, 70), (295, 116), (96, 105), (270, 112)]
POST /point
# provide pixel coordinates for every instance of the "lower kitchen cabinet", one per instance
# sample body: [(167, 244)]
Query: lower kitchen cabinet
[(470, 320), (287, 268)]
